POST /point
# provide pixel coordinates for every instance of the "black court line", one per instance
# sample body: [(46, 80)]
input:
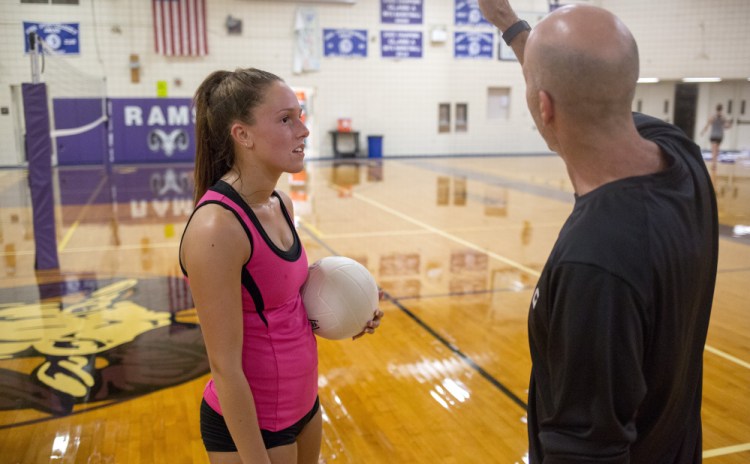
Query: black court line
[(467, 359), (457, 351)]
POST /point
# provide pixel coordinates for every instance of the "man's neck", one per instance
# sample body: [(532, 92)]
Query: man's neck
[(598, 160)]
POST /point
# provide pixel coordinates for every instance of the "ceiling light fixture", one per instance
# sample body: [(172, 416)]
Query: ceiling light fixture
[(701, 79)]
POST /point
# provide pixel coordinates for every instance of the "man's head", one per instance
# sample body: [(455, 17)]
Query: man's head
[(580, 64)]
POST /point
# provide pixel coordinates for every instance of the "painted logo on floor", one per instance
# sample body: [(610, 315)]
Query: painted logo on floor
[(79, 342)]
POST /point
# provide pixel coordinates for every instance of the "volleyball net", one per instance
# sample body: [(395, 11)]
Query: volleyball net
[(65, 116), (77, 102)]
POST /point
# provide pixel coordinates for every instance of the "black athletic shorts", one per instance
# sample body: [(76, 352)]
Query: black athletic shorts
[(716, 139), (216, 435)]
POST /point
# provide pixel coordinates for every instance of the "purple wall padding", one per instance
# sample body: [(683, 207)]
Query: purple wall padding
[(151, 130), (39, 154), (139, 130), (89, 147)]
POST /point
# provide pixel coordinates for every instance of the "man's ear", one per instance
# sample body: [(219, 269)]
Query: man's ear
[(241, 135), (546, 108)]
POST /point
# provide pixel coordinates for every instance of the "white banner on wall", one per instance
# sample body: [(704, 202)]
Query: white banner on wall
[(307, 46)]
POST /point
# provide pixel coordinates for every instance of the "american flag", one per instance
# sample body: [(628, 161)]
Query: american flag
[(180, 27)]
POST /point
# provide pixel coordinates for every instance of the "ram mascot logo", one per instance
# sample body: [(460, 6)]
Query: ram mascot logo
[(94, 343), (168, 142)]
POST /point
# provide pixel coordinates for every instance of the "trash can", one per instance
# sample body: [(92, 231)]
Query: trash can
[(374, 146)]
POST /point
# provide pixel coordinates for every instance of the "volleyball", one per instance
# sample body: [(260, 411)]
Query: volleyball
[(340, 296)]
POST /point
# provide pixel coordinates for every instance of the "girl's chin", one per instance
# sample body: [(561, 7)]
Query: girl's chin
[(297, 166)]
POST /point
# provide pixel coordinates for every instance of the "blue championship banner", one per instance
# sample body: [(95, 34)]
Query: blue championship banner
[(400, 44), (345, 42), (473, 45), (401, 11), (62, 38), (469, 14)]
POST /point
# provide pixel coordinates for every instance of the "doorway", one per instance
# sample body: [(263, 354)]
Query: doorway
[(685, 102)]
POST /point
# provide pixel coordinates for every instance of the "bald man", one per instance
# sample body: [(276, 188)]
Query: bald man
[(618, 320)]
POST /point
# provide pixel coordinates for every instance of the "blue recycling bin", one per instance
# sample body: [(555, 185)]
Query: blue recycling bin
[(374, 146)]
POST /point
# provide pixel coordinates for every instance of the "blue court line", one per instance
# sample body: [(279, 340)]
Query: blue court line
[(474, 292), (737, 269), (725, 231), (492, 179), (365, 159), (467, 359)]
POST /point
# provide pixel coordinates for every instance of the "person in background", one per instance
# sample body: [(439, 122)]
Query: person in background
[(718, 123), (618, 320), (246, 264)]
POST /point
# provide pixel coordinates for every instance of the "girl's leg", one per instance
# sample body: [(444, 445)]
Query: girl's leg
[(714, 154), (308, 441), (714, 151), (286, 454)]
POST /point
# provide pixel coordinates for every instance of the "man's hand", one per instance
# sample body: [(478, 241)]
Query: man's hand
[(499, 13)]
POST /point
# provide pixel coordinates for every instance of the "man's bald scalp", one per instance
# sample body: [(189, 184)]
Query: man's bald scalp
[(586, 59)]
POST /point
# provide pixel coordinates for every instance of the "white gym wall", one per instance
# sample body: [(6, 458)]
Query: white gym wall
[(395, 98)]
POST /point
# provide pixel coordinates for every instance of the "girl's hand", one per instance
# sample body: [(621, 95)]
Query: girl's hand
[(374, 323)]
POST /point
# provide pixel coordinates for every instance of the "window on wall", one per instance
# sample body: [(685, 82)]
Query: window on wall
[(444, 117), (462, 117), (498, 102)]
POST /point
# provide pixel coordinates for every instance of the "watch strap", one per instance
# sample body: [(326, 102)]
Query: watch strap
[(514, 30)]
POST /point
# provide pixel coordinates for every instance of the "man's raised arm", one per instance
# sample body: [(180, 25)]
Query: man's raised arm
[(515, 31)]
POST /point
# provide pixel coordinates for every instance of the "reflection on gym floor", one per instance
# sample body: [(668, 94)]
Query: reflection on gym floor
[(103, 360)]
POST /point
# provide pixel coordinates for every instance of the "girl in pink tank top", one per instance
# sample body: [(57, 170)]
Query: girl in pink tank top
[(246, 264)]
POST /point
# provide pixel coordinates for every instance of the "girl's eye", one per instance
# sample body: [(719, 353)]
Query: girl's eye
[(285, 119)]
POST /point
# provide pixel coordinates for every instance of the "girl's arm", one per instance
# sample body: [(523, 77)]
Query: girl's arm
[(215, 248)]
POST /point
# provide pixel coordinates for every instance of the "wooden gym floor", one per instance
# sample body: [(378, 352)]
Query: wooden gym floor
[(102, 362)]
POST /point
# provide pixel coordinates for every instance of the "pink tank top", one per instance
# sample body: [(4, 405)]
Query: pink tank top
[(279, 351)]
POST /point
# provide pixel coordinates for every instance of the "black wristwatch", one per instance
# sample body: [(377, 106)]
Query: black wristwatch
[(514, 30)]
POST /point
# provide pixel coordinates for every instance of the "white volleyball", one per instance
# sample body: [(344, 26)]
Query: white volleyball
[(340, 296)]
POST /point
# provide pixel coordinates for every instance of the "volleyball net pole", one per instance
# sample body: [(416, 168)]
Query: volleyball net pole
[(39, 157)]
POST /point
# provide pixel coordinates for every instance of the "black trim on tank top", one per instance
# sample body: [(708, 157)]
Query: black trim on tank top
[(247, 280), (294, 252), (252, 288), (227, 207)]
